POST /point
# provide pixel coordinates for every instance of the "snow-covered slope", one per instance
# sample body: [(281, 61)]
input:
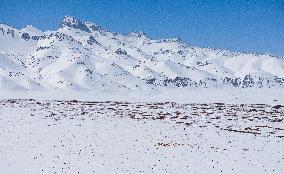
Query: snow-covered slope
[(85, 56)]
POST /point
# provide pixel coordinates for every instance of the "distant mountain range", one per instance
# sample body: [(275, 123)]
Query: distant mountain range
[(85, 56)]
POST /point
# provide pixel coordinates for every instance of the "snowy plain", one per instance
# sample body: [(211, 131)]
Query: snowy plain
[(54, 136), (193, 95)]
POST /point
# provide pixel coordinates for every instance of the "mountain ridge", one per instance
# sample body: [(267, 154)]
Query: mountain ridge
[(83, 55)]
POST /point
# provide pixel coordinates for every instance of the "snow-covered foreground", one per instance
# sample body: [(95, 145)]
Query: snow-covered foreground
[(41, 136)]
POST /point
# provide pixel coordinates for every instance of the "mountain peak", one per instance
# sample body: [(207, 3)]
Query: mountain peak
[(70, 21), (31, 29), (138, 34)]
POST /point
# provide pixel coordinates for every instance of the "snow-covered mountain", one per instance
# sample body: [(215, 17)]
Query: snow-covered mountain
[(86, 56)]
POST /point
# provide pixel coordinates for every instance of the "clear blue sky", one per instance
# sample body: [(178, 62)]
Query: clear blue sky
[(238, 25)]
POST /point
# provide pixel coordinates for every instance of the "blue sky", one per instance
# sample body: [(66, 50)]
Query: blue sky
[(237, 25)]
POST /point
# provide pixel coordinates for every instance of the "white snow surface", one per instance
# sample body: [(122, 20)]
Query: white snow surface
[(250, 95), (40, 136)]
